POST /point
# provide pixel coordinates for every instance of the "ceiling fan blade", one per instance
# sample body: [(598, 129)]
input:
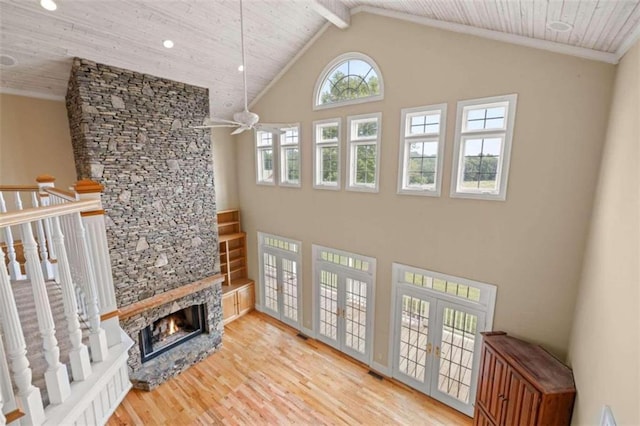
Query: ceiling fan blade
[(269, 127), (211, 126), (239, 130), (209, 121)]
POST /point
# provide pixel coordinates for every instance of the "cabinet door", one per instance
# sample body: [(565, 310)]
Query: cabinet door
[(522, 402), (481, 419), (229, 307), (493, 385), (246, 299)]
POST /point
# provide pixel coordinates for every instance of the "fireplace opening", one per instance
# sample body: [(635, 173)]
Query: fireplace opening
[(171, 331)]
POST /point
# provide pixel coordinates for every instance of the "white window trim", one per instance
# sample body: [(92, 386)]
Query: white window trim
[(282, 161), (503, 169), (316, 169), (350, 144), (402, 156), (273, 159), (488, 292), (330, 66)]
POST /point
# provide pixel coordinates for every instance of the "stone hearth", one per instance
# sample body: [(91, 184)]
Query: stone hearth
[(136, 317)]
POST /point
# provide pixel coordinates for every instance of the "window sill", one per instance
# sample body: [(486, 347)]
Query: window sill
[(479, 196)]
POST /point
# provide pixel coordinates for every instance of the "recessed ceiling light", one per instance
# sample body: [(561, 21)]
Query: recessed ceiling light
[(7, 61), (49, 4), (167, 43), (559, 26), (241, 68)]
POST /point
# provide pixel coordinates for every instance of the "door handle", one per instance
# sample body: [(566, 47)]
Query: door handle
[(438, 351), (429, 348)]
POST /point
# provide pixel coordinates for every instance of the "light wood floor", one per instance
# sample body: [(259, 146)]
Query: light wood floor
[(264, 374)]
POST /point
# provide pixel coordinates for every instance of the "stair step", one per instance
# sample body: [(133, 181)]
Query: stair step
[(23, 295)]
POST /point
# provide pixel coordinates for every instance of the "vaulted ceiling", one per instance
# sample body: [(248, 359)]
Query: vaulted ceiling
[(206, 33)]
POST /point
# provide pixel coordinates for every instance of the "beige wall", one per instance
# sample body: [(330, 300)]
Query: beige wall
[(34, 140), (530, 246), (224, 168), (605, 343)]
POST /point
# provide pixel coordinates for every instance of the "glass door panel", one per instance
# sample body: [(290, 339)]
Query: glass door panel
[(271, 284), (413, 339), (289, 291), (328, 298), (457, 355), (355, 317)]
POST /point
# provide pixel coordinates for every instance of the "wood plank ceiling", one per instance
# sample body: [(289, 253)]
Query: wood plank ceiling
[(129, 34)]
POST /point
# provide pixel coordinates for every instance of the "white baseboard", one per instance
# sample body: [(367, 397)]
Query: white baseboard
[(259, 308)]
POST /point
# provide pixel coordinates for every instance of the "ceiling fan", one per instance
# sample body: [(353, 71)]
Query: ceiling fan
[(243, 120)]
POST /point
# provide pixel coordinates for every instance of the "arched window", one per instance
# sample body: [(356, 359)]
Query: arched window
[(349, 79)]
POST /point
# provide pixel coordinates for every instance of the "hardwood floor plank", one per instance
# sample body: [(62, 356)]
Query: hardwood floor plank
[(264, 374)]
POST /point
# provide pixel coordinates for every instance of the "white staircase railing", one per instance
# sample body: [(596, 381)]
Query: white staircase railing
[(60, 238)]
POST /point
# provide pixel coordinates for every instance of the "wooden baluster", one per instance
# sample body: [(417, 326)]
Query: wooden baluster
[(28, 395), (47, 181), (5, 382), (68, 229), (56, 376), (79, 355), (95, 226), (18, 200), (97, 337), (14, 267), (47, 267)]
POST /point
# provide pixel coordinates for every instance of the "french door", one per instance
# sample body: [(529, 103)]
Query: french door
[(436, 339), (344, 301), (280, 278)]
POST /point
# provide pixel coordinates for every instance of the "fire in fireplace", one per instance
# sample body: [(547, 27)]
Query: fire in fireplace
[(170, 331)]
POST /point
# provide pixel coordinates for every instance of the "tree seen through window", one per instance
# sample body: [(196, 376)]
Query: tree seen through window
[(352, 79)]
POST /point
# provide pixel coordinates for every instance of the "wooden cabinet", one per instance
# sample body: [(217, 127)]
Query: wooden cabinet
[(238, 291), (237, 300), (521, 384)]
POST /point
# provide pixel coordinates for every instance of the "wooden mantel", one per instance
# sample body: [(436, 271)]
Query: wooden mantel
[(169, 296)]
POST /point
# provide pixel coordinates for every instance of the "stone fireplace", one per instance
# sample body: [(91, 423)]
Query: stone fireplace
[(171, 330), (156, 312), (131, 132)]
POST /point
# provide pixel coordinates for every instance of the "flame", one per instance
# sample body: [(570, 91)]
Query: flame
[(172, 327)]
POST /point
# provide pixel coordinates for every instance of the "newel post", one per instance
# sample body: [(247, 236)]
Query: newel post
[(96, 232)]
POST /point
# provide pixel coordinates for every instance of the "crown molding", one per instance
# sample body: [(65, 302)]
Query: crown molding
[(30, 94), (595, 55)]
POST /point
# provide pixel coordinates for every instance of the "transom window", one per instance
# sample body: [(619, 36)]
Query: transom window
[(464, 291), (421, 149), (264, 158), (484, 131), (350, 78), (326, 164), (345, 259), (280, 243), (290, 157), (364, 146)]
